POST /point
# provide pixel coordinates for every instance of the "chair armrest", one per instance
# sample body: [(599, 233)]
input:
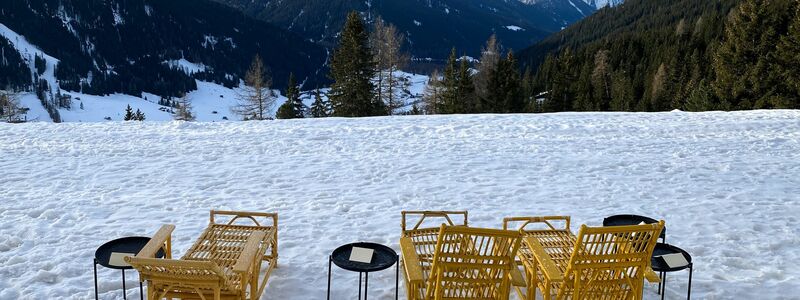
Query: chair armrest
[(546, 263), (411, 261), (162, 239), (516, 276), (651, 275), (248, 256)]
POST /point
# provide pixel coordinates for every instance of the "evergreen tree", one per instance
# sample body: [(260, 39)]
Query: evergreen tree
[(622, 97), (747, 74), (293, 107), (528, 91), (789, 63), (414, 109), (505, 90), (466, 89), (352, 69), (129, 116), (319, 109), (138, 116), (449, 103)]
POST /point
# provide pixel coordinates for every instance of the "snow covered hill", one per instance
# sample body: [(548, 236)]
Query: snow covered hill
[(726, 184)]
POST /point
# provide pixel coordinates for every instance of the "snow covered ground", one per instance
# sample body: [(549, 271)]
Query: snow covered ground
[(727, 185)]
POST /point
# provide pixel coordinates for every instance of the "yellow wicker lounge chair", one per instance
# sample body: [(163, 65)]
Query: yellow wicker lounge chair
[(224, 263), (460, 262), (599, 263)]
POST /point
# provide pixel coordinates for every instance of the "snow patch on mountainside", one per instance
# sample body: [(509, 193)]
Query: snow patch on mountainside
[(514, 28), (603, 3), (186, 66)]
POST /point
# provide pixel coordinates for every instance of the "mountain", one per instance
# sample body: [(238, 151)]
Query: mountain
[(135, 46), (432, 27)]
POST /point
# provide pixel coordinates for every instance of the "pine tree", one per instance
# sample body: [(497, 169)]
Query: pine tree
[(528, 91), (129, 116), (747, 74), (319, 109), (352, 70), (414, 110), (293, 107), (138, 116), (622, 97), (505, 93), (449, 103), (466, 89), (788, 54), (256, 98)]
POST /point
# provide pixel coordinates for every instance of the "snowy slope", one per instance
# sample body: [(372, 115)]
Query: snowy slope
[(726, 184), (211, 101)]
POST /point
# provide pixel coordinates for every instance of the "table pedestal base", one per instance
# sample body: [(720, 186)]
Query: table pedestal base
[(366, 280), (662, 285), (124, 296)]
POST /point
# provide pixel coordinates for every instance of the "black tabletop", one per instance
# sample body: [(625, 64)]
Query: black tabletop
[(131, 244), (662, 249), (622, 220), (383, 257)]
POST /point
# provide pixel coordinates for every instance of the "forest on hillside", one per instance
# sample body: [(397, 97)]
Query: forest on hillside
[(645, 56)]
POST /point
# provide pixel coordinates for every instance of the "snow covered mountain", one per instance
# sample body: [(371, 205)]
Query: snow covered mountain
[(432, 27)]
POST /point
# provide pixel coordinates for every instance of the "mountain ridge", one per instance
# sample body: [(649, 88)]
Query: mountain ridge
[(432, 27)]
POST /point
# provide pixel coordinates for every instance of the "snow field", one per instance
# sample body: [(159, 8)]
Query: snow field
[(726, 183)]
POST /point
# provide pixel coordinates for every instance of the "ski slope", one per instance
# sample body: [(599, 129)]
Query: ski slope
[(727, 185)]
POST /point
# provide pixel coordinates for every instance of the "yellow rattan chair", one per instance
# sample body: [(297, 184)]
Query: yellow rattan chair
[(225, 262), (599, 263), (460, 262)]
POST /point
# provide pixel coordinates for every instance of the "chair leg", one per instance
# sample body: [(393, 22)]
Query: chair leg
[(217, 294)]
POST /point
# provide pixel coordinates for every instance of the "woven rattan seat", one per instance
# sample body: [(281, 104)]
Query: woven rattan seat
[(598, 263), (225, 262), (453, 261)]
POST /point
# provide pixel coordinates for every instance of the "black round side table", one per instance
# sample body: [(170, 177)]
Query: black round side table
[(122, 246), (622, 220), (662, 268), (383, 257)]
